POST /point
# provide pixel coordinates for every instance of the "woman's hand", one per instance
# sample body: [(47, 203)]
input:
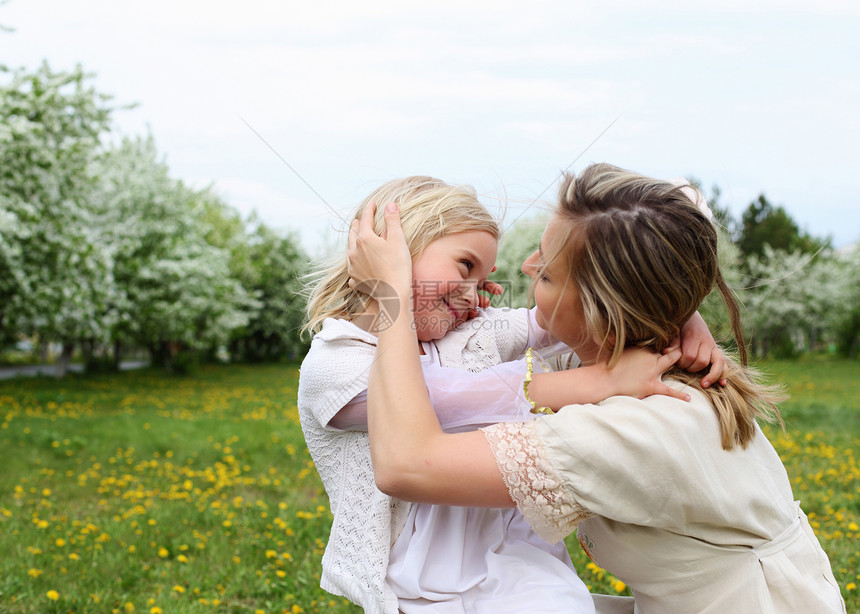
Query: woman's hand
[(372, 258)]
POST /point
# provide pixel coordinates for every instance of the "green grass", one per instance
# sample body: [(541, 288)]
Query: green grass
[(140, 492)]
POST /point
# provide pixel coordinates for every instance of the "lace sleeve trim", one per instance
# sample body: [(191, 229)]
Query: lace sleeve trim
[(532, 481)]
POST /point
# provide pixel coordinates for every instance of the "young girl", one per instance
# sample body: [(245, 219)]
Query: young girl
[(687, 503), (384, 554)]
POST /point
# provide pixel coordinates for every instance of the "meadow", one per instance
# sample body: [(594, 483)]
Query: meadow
[(141, 492)]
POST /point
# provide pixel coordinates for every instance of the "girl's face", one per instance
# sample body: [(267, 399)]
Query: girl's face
[(445, 280), (558, 307)]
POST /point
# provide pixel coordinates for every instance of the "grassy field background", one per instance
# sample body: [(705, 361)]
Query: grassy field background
[(140, 492)]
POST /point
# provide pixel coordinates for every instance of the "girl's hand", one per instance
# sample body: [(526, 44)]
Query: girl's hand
[(490, 287), (638, 374), (698, 350), (372, 258)]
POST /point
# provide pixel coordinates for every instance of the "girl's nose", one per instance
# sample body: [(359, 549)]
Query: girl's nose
[(471, 295)]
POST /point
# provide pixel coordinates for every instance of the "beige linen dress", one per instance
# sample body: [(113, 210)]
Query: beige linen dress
[(688, 526)]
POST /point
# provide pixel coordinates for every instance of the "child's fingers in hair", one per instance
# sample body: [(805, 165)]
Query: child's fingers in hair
[(718, 367)]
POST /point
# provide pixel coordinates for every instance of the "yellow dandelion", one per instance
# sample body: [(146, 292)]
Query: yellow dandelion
[(163, 552), (296, 609), (34, 573), (74, 556), (850, 586), (182, 558), (271, 554), (619, 586), (60, 542), (129, 606), (53, 595), (179, 589), (46, 492), (280, 573), (155, 610)]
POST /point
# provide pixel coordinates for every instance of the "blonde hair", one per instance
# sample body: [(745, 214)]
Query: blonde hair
[(429, 209), (643, 256)]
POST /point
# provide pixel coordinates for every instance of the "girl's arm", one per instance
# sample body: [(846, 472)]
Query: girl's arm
[(460, 399), (638, 374)]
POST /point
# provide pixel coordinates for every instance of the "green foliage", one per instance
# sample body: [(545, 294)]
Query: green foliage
[(846, 306), (713, 308), (763, 224), (273, 266), (518, 242)]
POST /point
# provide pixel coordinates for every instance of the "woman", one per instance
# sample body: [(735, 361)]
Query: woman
[(687, 503)]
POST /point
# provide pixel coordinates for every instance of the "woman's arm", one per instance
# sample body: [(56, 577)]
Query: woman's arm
[(413, 458)]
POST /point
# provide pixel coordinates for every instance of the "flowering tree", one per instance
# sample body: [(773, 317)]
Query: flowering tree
[(55, 278), (271, 267), (174, 287), (846, 303), (789, 298)]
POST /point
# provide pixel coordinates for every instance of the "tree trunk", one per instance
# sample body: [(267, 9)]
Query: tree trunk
[(117, 354), (61, 367)]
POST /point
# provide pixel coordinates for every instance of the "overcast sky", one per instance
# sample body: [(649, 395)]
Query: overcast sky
[(751, 96)]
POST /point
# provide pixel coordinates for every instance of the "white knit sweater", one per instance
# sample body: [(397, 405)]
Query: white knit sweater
[(367, 522)]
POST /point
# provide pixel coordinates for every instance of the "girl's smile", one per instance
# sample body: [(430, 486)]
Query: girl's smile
[(445, 279)]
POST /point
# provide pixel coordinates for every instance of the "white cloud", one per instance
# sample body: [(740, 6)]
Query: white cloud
[(751, 96)]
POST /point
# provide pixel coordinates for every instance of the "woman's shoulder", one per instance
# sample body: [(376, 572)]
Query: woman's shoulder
[(625, 420)]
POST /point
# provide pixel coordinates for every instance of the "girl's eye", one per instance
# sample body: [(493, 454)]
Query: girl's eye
[(468, 264)]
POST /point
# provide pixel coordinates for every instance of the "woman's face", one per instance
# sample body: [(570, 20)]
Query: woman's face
[(559, 309)]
